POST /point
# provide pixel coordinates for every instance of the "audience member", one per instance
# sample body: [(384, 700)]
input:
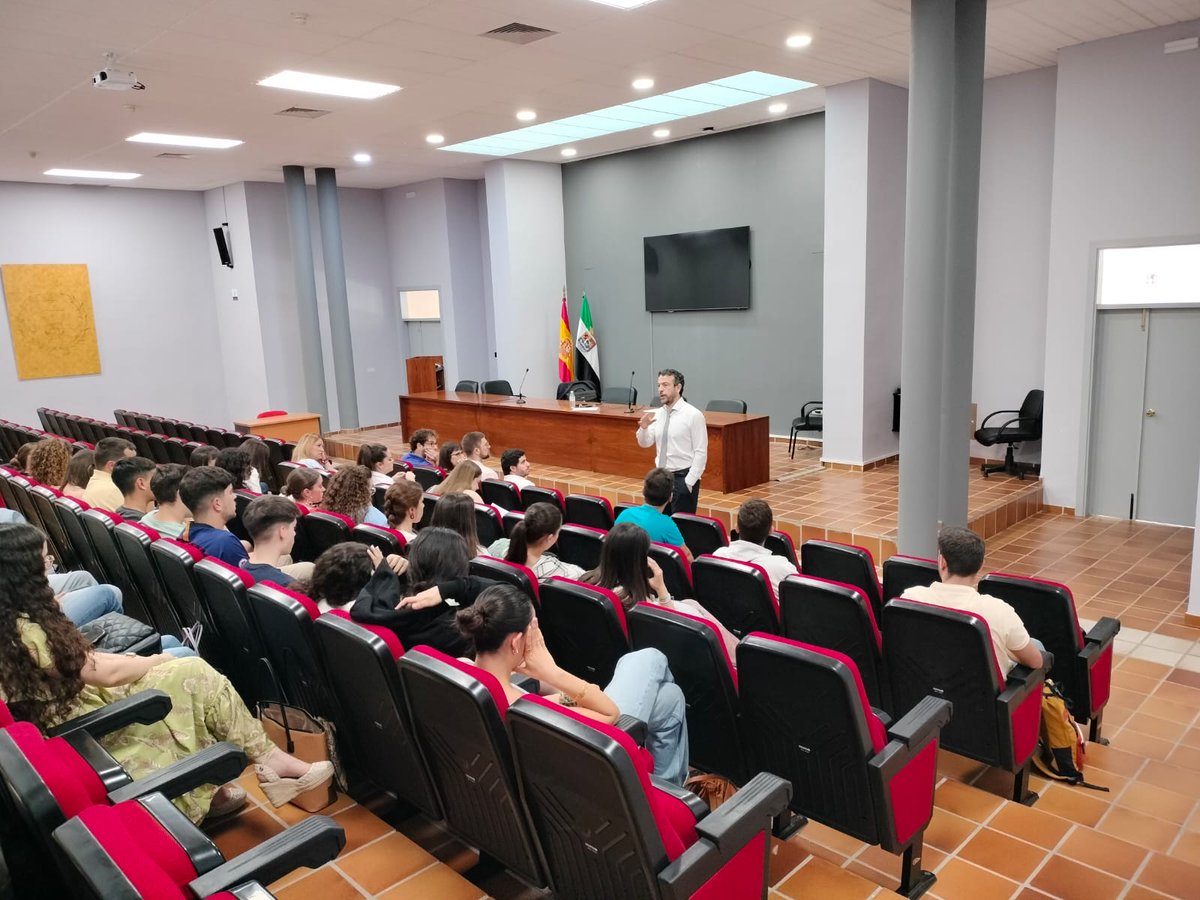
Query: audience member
[(271, 523), (132, 477), (208, 493), (656, 491), (754, 522), (101, 492), (679, 434), (260, 465), (306, 487), (504, 633), (236, 462), (515, 466), (350, 493), (380, 461), (339, 574), (464, 479), (49, 461), (404, 506), (49, 674), (79, 473), (476, 448), (532, 539), (310, 452), (171, 516), (960, 565), (20, 460), (204, 455), (422, 448), (79, 595), (450, 456), (457, 512)]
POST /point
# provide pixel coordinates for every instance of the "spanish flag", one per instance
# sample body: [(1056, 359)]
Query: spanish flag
[(564, 344)]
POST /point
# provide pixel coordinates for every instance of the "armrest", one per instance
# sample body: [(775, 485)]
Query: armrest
[(747, 813), (99, 760), (882, 715), (525, 683), (1103, 631), (310, 844), (633, 727), (1022, 679), (697, 806), (928, 716), (216, 764), (143, 708), (999, 412)]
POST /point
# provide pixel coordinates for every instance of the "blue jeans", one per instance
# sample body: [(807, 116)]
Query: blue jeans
[(173, 646), (84, 605), (642, 686)]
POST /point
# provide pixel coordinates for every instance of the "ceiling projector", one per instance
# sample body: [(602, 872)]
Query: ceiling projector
[(110, 79)]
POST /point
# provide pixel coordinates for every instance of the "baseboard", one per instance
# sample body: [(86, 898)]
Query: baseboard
[(836, 466), (1193, 621)]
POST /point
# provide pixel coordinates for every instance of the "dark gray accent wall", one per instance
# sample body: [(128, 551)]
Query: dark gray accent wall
[(770, 177)]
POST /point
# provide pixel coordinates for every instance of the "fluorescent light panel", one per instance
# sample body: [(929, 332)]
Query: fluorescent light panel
[(93, 173), (624, 4), (737, 90), (310, 83), (183, 140)]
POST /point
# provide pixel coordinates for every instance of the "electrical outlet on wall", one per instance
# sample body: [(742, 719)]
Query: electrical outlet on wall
[(235, 296)]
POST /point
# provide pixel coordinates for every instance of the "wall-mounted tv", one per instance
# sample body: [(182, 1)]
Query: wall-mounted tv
[(698, 270)]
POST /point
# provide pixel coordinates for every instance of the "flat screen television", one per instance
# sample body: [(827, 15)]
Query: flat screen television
[(698, 270)]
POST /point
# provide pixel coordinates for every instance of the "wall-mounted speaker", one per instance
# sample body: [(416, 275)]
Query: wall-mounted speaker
[(221, 236)]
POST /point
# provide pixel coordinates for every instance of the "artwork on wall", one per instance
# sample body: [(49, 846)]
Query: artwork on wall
[(51, 320)]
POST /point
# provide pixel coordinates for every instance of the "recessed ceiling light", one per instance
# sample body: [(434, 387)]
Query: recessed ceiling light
[(92, 173), (662, 132), (434, 138), (526, 115), (362, 157), (643, 84), (777, 108), (624, 4), (569, 151), (183, 140), (310, 83), (796, 41)]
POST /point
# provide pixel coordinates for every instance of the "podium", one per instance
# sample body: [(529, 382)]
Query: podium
[(425, 373)]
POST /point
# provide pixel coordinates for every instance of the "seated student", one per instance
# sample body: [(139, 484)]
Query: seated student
[(450, 456), (20, 460), (271, 523), (532, 539), (464, 479), (208, 493), (101, 492), (306, 487), (132, 477), (260, 465), (476, 448), (506, 638), (627, 570), (236, 462), (171, 517), (204, 455), (754, 521), (422, 448), (404, 506), (49, 461), (350, 493), (310, 452), (457, 512), (515, 466), (656, 491), (80, 597), (338, 575), (79, 473), (379, 460)]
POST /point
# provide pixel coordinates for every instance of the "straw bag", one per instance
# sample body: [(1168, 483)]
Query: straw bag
[(295, 731)]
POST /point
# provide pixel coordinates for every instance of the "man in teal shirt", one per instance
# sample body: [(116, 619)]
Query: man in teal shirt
[(656, 491)]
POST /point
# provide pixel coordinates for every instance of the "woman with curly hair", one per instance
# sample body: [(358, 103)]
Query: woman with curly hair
[(79, 473), (49, 674), (349, 492), (49, 461)]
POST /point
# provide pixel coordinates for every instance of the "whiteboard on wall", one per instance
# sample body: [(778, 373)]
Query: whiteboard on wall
[(1166, 275)]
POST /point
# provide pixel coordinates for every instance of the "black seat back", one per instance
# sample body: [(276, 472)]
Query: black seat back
[(502, 570), (584, 627), (502, 493), (780, 543), (223, 589), (489, 526), (388, 540), (175, 562), (467, 387), (844, 563), (580, 545), (677, 571), (133, 543), (70, 517), (290, 621), (42, 498), (511, 518), (320, 530), (499, 387), (589, 510), (535, 494), (177, 451), (428, 476), (737, 593), (99, 525), (726, 406), (702, 534), (427, 516), (902, 572)]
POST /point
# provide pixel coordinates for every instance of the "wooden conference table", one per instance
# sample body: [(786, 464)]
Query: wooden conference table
[(601, 439)]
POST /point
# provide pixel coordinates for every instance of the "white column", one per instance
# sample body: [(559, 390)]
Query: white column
[(1193, 607)]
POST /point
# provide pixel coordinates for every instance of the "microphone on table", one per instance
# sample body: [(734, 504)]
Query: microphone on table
[(630, 408), (521, 386)]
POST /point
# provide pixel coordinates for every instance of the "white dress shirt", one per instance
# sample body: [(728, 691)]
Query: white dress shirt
[(485, 472), (378, 479), (777, 567), (520, 481), (686, 439)]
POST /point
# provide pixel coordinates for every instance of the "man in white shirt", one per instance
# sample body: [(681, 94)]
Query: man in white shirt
[(754, 521), (960, 565), (679, 434), (476, 447), (515, 466)]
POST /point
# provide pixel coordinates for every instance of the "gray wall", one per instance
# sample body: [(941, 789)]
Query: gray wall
[(771, 178)]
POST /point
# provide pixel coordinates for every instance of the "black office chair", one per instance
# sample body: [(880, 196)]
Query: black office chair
[(584, 390), (811, 418), (1026, 426), (624, 395), (467, 387), (729, 406), (500, 388)]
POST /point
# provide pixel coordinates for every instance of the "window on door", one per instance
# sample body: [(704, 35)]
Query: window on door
[(1167, 275)]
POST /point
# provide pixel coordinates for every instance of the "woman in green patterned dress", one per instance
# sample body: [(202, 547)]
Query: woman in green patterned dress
[(49, 674)]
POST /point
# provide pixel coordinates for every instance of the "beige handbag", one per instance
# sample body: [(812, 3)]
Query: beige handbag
[(293, 730)]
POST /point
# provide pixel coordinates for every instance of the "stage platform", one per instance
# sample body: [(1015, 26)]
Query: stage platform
[(810, 501)]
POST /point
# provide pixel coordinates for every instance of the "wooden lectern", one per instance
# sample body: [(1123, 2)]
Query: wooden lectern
[(425, 373)]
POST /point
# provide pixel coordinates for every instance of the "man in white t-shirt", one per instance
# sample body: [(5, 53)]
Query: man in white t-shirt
[(754, 521), (960, 565), (476, 447), (515, 466)]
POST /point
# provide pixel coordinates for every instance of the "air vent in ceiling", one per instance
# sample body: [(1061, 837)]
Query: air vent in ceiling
[(173, 156), (518, 33), (302, 112)]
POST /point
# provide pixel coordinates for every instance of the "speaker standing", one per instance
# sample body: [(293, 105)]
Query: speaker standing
[(679, 434)]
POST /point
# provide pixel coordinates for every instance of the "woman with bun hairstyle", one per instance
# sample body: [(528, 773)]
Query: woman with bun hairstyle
[(505, 634)]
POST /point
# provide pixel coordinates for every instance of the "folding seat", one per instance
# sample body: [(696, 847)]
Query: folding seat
[(231, 439), (388, 540), (502, 493), (1082, 662), (902, 572), (843, 563), (289, 619), (141, 440), (458, 715), (537, 494), (178, 451), (737, 593), (677, 571), (242, 497), (428, 476), (121, 416), (21, 487), (427, 516), (99, 525), (586, 509), (511, 517), (701, 534), (805, 717), (276, 456), (704, 672), (488, 524), (222, 590), (584, 627), (214, 437), (836, 617), (947, 653), (169, 427), (7, 496), (581, 545), (502, 570), (608, 829), (133, 542), (158, 449), (283, 470), (42, 499), (155, 424), (780, 543), (361, 662), (321, 529), (44, 419), (175, 562), (70, 517), (619, 508), (198, 433), (377, 496)]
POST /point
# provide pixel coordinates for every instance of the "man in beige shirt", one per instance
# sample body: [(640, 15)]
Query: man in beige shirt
[(100, 491), (960, 565)]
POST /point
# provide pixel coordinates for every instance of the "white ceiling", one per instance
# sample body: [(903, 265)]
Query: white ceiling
[(200, 60)]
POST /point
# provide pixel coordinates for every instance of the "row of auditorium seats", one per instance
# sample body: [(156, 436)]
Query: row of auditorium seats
[(13, 435), (179, 428)]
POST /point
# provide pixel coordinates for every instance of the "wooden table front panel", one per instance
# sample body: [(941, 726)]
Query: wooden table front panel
[(286, 428), (552, 433)]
